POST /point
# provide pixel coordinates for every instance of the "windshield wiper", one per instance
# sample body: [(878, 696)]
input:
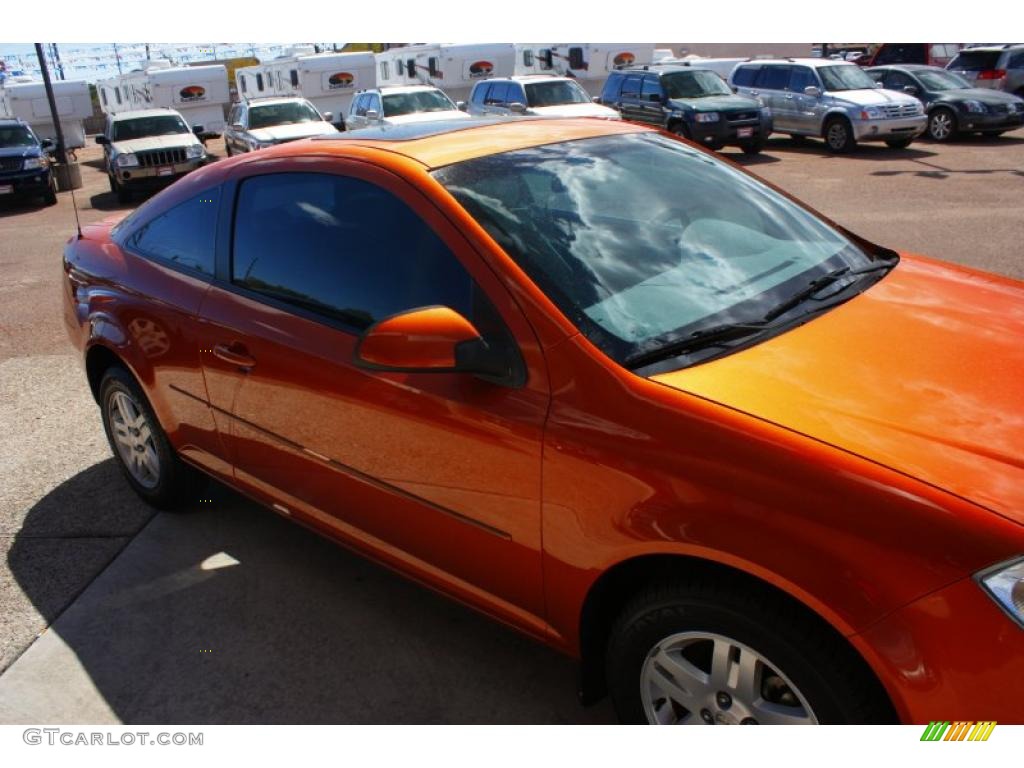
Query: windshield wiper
[(719, 335)]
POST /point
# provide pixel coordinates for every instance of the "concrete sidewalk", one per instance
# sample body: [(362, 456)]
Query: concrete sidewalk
[(231, 615)]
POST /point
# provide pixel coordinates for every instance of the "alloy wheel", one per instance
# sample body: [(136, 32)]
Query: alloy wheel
[(133, 438), (836, 135), (940, 126), (702, 678)]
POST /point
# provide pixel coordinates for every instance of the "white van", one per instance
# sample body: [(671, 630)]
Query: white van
[(199, 94), (327, 80), (587, 63), (454, 68), (26, 100)]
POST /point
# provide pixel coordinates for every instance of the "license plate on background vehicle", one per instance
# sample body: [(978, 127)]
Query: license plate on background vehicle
[(165, 171), (744, 133), (6, 189)]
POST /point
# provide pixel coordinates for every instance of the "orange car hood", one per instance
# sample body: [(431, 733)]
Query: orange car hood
[(924, 373)]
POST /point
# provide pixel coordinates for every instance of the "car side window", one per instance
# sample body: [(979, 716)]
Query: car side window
[(185, 235), (896, 81), (800, 78), (745, 76), (1016, 61), (631, 87), (373, 102), (359, 105), (514, 93), (651, 86), (342, 248), (480, 93), (774, 78), (496, 96)]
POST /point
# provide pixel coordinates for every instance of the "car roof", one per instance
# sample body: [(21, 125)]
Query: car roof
[(908, 67), (443, 142), (131, 115), (524, 79), (384, 89), (259, 101), (8, 121), (806, 62), (659, 69)]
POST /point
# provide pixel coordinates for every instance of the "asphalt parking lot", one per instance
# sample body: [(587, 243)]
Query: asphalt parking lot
[(226, 613)]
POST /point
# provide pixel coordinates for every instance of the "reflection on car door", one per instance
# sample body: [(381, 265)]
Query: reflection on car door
[(651, 97), (631, 108), (772, 83), (407, 460), (803, 111)]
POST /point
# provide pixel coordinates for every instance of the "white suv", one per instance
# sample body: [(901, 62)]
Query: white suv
[(401, 104), (547, 95)]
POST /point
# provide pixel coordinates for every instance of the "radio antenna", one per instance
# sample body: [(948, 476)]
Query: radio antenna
[(74, 204)]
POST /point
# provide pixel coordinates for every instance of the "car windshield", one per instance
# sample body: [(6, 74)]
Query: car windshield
[(694, 85), (268, 115), (141, 127), (396, 104), (555, 92), (642, 241), (845, 77), (16, 136), (940, 80)]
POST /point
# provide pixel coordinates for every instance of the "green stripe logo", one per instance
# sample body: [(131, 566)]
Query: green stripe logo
[(934, 731)]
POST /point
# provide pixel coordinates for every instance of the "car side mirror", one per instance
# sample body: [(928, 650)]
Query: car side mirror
[(198, 130), (237, 127), (517, 107), (329, 117), (878, 85), (101, 139), (812, 90), (372, 114), (461, 105), (910, 89), (429, 340), (596, 99), (48, 145)]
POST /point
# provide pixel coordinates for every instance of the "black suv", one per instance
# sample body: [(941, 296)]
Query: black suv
[(694, 103), (24, 164)]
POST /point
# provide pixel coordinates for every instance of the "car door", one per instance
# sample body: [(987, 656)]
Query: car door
[(899, 81), (652, 97), (799, 108), (631, 107), (441, 468), (772, 84)]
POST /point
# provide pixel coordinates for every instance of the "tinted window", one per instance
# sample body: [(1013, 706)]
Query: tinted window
[(631, 87), (497, 94), (184, 235), (975, 61), (342, 248), (896, 81), (480, 93), (745, 75), (800, 78), (651, 85), (515, 93), (774, 78), (1016, 61)]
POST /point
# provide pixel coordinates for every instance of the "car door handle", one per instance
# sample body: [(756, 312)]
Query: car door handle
[(236, 354)]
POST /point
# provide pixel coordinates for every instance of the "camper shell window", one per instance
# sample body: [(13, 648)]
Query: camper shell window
[(295, 78), (527, 58), (432, 66), (259, 82), (384, 75)]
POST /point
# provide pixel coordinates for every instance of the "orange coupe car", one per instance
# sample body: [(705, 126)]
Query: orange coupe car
[(603, 386)]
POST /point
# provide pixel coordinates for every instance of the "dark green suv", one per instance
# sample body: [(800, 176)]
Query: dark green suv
[(694, 103)]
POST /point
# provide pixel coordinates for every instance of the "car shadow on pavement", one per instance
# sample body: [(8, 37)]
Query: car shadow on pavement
[(865, 151), (229, 614), (107, 201)]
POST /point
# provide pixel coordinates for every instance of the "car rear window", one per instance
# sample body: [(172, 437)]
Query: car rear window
[(975, 61)]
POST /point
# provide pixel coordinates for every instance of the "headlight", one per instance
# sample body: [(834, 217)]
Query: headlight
[(974, 106), (31, 163), (194, 151), (1005, 584), (126, 160), (707, 117), (870, 113)]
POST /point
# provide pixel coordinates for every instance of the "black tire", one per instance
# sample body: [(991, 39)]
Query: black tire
[(752, 147), (50, 195), (838, 135), (175, 481), (832, 679), (899, 143), (942, 124), (123, 195), (680, 129)]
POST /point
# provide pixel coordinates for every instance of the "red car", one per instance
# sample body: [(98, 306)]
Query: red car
[(603, 386)]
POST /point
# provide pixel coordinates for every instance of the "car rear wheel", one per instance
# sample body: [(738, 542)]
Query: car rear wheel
[(839, 136), (752, 147), (123, 195), (942, 125), (680, 130), (140, 445), (702, 653), (50, 195)]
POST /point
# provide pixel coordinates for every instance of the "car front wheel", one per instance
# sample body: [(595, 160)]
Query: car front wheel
[(708, 654), (839, 136), (942, 125), (140, 445)]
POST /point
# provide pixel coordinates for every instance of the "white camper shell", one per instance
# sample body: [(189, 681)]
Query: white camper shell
[(26, 100), (587, 63), (328, 80), (454, 68), (199, 94)]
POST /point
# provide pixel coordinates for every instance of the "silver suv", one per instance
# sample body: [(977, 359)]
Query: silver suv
[(262, 123), (148, 149), (992, 66), (834, 100)]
